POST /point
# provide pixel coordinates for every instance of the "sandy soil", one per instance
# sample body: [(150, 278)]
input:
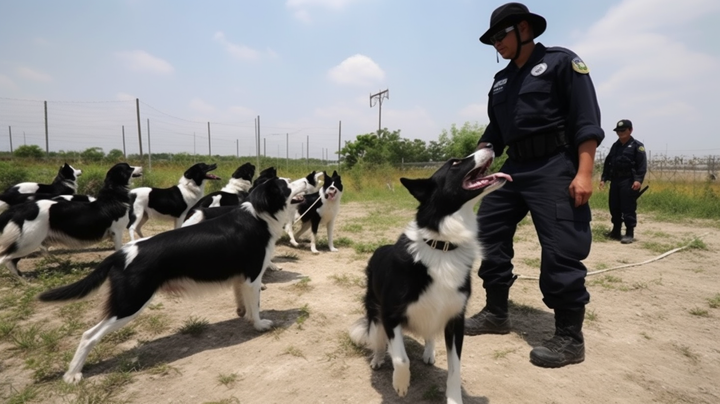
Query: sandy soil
[(644, 344)]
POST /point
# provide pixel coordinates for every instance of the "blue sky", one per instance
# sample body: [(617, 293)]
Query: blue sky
[(305, 65)]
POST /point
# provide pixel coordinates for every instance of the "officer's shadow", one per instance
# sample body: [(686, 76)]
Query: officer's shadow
[(533, 325)]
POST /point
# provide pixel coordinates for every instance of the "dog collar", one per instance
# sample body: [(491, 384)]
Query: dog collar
[(445, 246)]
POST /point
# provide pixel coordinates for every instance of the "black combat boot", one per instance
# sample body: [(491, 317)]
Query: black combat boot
[(629, 236), (493, 318), (567, 346), (615, 232)]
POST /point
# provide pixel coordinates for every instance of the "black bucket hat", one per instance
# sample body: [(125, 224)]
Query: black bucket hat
[(509, 14)]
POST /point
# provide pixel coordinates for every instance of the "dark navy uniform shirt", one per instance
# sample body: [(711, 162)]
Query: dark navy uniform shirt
[(625, 161), (544, 95)]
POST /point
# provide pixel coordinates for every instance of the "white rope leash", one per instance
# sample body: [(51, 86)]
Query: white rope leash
[(308, 209), (659, 257)]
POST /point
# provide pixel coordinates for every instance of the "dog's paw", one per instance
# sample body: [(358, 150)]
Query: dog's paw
[(262, 286), (263, 325), (333, 249), (429, 356), (274, 267), (315, 251), (377, 361), (72, 378), (401, 380), (294, 243), (240, 311)]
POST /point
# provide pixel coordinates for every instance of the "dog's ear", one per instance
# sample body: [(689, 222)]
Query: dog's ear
[(335, 174), (419, 188)]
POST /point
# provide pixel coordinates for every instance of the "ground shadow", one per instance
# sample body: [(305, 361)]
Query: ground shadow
[(168, 349), (427, 382), (281, 276), (533, 325)]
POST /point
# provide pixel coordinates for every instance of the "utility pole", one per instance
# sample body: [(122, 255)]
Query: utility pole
[(378, 99), (339, 140), (209, 142), (123, 133), (10, 130), (137, 108), (47, 141), (237, 148)]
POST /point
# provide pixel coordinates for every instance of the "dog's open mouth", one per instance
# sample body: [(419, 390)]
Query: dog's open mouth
[(477, 178), (330, 194), (297, 199), (209, 176), (136, 175)]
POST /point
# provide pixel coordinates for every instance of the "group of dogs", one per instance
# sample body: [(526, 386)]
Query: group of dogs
[(421, 284)]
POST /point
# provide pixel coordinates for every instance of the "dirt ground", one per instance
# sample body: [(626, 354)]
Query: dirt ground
[(651, 335)]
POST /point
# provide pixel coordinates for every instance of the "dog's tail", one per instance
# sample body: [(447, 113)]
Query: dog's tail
[(88, 284), (359, 333)]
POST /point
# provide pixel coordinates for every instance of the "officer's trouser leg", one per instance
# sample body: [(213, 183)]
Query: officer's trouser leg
[(614, 205), (628, 204)]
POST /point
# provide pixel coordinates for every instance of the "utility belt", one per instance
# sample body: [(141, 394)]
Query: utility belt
[(621, 174), (538, 146)]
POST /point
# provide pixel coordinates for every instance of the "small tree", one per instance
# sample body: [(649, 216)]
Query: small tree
[(115, 155), (93, 154), (32, 151)]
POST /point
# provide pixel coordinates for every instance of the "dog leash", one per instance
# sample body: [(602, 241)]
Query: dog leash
[(308, 209)]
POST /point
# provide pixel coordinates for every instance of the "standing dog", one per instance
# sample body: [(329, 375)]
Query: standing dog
[(233, 193), (312, 179), (65, 183), (320, 208), (26, 227), (169, 203), (422, 282), (234, 249)]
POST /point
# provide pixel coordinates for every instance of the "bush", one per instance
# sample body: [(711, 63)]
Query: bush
[(32, 151), (11, 174)]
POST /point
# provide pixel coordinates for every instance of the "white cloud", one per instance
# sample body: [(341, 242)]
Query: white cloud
[(475, 112), (32, 74), (357, 70), (240, 51), (643, 71), (141, 61), (125, 97), (6, 82)]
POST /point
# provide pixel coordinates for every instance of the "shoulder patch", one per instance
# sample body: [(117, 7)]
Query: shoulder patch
[(579, 66), (642, 149)]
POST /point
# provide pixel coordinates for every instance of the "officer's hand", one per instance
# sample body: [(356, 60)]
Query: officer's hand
[(581, 189), (636, 185), (602, 185)]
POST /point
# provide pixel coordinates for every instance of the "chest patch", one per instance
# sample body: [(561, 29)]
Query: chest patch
[(538, 69), (499, 86)]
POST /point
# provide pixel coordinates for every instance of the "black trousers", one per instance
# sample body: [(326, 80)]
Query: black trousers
[(623, 202), (541, 188)]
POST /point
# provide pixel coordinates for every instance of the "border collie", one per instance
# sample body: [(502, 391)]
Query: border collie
[(236, 190), (422, 283), (169, 203), (320, 208), (312, 179), (26, 227), (233, 250), (65, 183)]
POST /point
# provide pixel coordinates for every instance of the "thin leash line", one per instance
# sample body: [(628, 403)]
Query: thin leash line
[(307, 210), (659, 257)]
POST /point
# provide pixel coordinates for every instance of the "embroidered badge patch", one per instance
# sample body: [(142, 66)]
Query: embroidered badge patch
[(579, 66), (538, 69), (641, 148)]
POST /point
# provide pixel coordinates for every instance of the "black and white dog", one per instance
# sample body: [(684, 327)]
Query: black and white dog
[(65, 183), (236, 190), (422, 282), (318, 209), (234, 249), (313, 179), (169, 203), (26, 227)]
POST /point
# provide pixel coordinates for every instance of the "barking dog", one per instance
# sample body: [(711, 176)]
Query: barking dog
[(25, 227), (234, 249), (320, 208), (169, 203), (236, 190), (65, 183), (422, 283)]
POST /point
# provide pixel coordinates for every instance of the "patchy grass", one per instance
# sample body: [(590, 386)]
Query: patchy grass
[(227, 379), (685, 351), (696, 311), (370, 247), (352, 228), (294, 351), (163, 369), (303, 316), (591, 315), (502, 353), (433, 393), (302, 286), (714, 302), (532, 262), (194, 326), (606, 281), (346, 348), (347, 281), (154, 324)]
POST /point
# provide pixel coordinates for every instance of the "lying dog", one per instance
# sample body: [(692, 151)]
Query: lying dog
[(318, 209), (234, 249), (65, 183), (26, 227), (422, 283), (169, 203)]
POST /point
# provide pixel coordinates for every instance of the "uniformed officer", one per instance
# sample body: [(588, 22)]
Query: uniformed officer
[(542, 107), (625, 167)]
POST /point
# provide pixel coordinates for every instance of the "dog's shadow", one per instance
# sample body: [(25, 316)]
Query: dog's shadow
[(531, 324), (427, 382), (171, 348)]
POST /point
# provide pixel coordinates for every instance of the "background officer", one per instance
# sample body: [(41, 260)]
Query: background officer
[(625, 167), (542, 107)]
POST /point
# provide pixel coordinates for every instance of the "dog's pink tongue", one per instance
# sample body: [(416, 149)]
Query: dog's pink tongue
[(503, 175)]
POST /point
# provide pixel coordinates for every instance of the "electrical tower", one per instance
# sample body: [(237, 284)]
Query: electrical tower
[(378, 99)]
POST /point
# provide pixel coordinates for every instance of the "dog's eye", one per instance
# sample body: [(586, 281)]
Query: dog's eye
[(456, 162)]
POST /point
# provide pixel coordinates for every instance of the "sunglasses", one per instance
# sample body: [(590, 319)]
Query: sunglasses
[(500, 35), (621, 130)]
